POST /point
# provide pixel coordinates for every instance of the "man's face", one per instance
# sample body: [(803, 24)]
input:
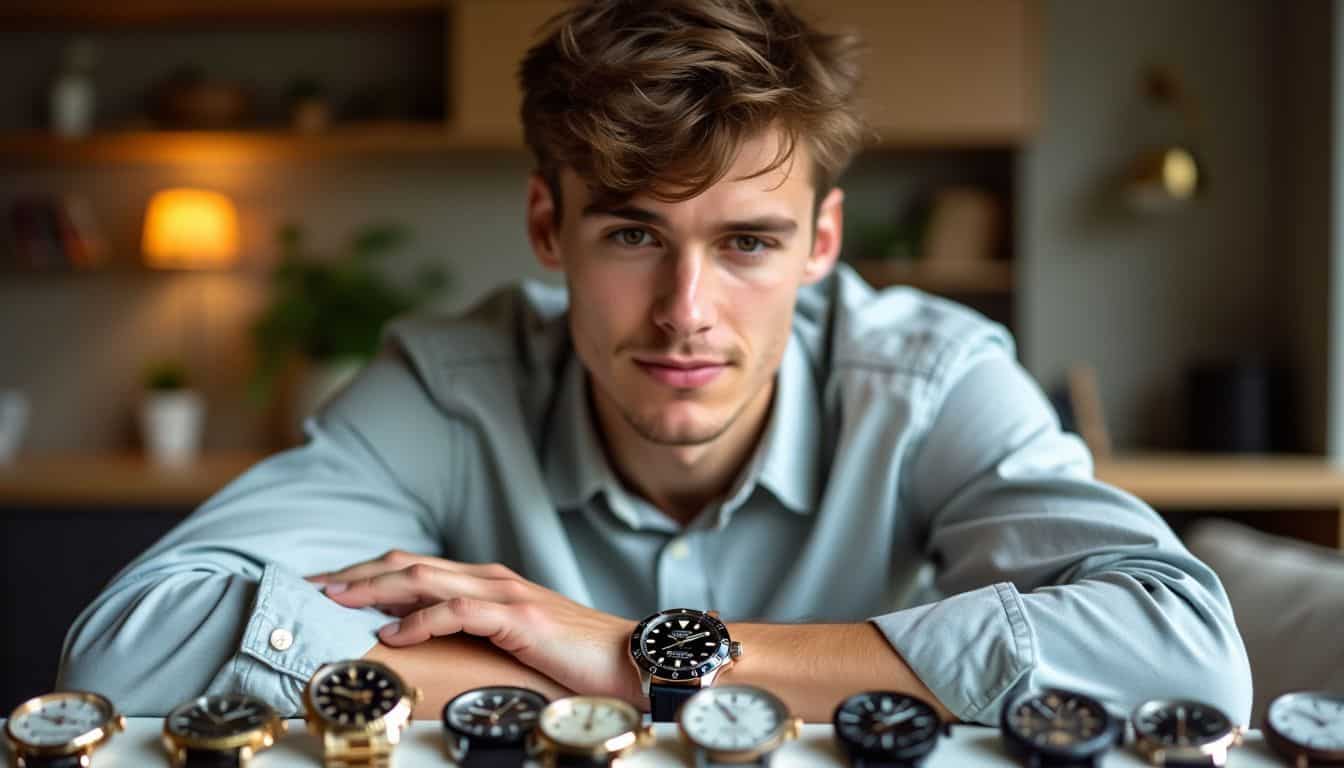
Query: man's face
[(681, 312)]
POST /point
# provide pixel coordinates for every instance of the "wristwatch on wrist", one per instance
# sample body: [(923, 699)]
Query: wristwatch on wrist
[(489, 727), (587, 732), (886, 729), (358, 709), (1183, 733), (735, 725), (1054, 728), (220, 731), (678, 652), (1307, 727), (61, 730)]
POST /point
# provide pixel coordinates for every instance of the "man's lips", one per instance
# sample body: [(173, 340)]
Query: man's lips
[(681, 373)]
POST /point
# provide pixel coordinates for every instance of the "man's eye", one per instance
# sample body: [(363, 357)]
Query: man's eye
[(631, 237), (748, 244)]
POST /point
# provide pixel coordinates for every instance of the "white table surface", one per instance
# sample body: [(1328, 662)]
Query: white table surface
[(422, 745)]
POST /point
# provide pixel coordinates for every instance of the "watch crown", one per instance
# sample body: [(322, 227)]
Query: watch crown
[(734, 649)]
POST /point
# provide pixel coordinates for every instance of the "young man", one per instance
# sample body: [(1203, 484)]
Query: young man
[(866, 485)]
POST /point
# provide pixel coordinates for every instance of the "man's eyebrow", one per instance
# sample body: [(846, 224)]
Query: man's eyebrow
[(777, 225)]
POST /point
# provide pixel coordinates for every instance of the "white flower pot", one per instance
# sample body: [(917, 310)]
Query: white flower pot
[(171, 425)]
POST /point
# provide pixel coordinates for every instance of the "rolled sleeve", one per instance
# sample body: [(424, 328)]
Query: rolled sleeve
[(294, 629), (1050, 578), (970, 649)]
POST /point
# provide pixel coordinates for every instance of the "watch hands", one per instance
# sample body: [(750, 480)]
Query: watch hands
[(588, 724), (1318, 721), (687, 640), (498, 713), (236, 714), (1180, 723), (726, 712), (346, 693), (481, 712)]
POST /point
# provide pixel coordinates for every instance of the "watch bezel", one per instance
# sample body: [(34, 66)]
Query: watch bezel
[(912, 752), (257, 737), (638, 735), (84, 742), (389, 723), (1108, 738), (1288, 747), (786, 730), (492, 741), (1153, 749), (722, 654)]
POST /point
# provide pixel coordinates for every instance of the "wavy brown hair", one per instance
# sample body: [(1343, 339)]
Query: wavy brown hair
[(657, 96)]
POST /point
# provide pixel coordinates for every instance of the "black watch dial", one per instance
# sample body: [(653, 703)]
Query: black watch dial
[(1180, 723), (220, 716), (680, 644), (1061, 722), (501, 715), (887, 723), (355, 692)]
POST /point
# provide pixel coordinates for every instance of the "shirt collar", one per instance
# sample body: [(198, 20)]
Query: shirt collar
[(785, 462)]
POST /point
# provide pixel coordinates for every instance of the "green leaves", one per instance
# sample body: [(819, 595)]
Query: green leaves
[(330, 308)]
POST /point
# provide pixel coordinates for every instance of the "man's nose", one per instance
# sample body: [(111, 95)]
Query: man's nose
[(686, 305)]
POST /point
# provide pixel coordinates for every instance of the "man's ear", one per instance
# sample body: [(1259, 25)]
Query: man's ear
[(542, 230), (826, 239)]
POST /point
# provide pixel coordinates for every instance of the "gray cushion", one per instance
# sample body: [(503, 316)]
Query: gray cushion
[(1288, 597)]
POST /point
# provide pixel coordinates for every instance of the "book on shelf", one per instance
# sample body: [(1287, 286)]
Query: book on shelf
[(53, 233)]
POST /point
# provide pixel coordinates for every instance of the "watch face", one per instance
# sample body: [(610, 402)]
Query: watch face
[(500, 714), (1313, 721), (354, 692), (219, 717), (1060, 722), (886, 722), (586, 722), (732, 717), (680, 644), (58, 718), (1180, 723)]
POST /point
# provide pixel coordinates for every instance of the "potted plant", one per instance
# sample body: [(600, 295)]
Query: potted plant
[(327, 312), (172, 415)]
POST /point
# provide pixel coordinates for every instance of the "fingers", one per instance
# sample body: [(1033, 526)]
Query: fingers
[(396, 560), (421, 584), (499, 622)]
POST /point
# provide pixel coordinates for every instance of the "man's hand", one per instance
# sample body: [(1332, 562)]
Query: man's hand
[(580, 648)]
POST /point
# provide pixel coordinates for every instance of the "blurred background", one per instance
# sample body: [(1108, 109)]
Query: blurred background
[(209, 208)]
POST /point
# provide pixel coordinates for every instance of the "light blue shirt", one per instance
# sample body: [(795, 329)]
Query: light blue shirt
[(911, 474)]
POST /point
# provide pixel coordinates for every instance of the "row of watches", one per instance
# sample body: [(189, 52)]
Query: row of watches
[(1057, 728)]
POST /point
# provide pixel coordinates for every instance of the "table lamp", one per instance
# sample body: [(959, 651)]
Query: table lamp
[(185, 229)]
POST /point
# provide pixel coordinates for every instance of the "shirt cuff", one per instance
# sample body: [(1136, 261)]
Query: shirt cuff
[(970, 649), (293, 630)]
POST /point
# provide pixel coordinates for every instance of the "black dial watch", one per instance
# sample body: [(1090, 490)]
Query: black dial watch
[(220, 731), (1056, 728), (358, 709), (488, 727), (1183, 733), (885, 729), (678, 652), (1307, 727)]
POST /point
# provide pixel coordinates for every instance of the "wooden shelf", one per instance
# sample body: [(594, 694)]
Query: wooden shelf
[(241, 146), (116, 481), (985, 277)]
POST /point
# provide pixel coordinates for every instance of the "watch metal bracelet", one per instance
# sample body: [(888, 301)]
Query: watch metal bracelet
[(665, 700), (357, 750)]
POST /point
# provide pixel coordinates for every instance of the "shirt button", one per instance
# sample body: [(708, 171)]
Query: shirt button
[(281, 639), (679, 550)]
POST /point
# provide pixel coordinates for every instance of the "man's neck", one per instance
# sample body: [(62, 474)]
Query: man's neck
[(682, 480)]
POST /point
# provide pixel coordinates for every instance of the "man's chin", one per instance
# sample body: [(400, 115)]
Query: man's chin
[(679, 434)]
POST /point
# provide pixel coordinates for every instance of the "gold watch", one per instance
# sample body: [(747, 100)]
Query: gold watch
[(1174, 732), (61, 730), (587, 732), (358, 709), (220, 730)]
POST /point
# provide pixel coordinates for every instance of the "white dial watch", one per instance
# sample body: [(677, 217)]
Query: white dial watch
[(737, 724)]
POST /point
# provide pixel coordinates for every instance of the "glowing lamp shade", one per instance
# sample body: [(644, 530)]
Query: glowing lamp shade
[(190, 229)]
